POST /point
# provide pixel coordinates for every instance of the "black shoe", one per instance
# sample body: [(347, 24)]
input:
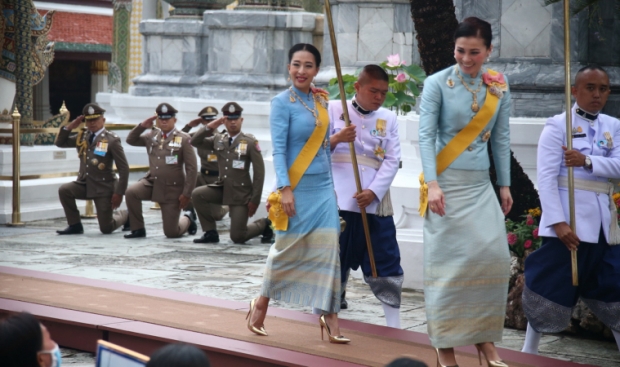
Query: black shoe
[(193, 228), (267, 232), (343, 302), (209, 237), (126, 226), (192, 212), (73, 229), (137, 233)]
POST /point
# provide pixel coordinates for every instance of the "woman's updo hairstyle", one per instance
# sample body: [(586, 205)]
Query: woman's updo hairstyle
[(305, 47), (475, 27)]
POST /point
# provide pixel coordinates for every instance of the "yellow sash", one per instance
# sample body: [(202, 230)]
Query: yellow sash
[(460, 142), (276, 214)]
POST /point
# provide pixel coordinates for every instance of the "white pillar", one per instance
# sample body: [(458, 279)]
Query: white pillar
[(98, 77)]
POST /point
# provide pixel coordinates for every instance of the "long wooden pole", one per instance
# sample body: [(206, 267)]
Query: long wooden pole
[(16, 217), (345, 112), (569, 136)]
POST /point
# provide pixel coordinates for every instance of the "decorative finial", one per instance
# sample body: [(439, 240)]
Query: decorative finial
[(63, 108), (16, 114)]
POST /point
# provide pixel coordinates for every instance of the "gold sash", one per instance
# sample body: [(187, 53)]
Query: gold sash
[(460, 142), (276, 214)]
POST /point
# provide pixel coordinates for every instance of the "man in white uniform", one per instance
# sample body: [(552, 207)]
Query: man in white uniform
[(374, 132), (548, 295)]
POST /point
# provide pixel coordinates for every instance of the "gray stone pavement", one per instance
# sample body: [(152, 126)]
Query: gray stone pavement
[(224, 270)]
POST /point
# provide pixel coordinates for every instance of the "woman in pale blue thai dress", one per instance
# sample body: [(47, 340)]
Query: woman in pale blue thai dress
[(303, 266), (466, 258)]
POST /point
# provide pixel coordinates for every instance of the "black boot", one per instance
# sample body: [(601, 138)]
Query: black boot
[(138, 233), (193, 228), (343, 302), (209, 237), (267, 232), (193, 214), (126, 226), (73, 229)]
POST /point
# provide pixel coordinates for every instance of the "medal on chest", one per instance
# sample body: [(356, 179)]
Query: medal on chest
[(242, 148), (379, 152), (609, 139), (102, 147), (176, 142), (379, 130)]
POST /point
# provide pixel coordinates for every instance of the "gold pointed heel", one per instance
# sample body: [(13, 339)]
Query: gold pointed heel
[(259, 331), (438, 363), (499, 363), (338, 339)]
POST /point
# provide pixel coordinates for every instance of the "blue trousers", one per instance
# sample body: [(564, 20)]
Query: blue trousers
[(549, 296)]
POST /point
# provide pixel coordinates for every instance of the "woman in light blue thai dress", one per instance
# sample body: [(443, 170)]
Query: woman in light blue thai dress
[(466, 258), (303, 266)]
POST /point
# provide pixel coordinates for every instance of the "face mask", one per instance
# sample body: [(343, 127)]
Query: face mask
[(56, 356)]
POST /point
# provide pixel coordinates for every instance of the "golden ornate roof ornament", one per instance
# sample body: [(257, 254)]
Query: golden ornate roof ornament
[(63, 108)]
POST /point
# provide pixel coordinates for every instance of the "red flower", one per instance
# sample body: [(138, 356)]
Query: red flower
[(512, 238), (535, 233), (529, 220), (527, 244)]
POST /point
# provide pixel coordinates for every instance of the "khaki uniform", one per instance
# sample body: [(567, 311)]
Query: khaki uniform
[(234, 187), (172, 172), (207, 175), (96, 179)]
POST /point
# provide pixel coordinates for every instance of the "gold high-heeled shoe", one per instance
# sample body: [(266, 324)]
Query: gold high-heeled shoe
[(259, 331), (499, 363), (338, 339), (438, 363)]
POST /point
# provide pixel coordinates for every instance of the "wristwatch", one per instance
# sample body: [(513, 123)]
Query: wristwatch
[(588, 164)]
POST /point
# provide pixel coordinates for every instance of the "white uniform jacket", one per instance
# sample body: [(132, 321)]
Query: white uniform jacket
[(601, 141), (377, 140)]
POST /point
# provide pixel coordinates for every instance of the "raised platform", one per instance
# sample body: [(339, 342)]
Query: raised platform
[(79, 311)]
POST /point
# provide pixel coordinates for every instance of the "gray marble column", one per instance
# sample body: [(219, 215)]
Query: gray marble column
[(247, 52), (367, 32), (174, 57)]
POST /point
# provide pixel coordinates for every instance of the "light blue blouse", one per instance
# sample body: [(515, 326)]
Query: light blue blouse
[(446, 110), (291, 126)]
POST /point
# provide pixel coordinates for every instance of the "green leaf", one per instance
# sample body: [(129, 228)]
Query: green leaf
[(390, 99), (415, 72), (334, 91), (413, 87), (406, 108)]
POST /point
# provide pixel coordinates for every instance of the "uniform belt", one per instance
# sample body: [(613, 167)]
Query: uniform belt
[(601, 187), (364, 161), (209, 173)]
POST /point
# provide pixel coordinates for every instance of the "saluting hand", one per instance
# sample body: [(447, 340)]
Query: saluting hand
[(75, 123), (216, 123), (183, 201), (196, 122), (573, 158), (148, 122), (364, 198), (566, 235), (116, 200), (252, 209)]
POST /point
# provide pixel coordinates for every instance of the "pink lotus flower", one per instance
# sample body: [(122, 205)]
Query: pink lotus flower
[(527, 244), (488, 79), (394, 61), (401, 78), (535, 233), (529, 220), (512, 238)]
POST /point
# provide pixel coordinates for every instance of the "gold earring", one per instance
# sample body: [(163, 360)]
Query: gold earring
[(288, 79)]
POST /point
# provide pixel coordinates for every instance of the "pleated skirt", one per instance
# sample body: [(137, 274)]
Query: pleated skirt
[(466, 263), (303, 265)]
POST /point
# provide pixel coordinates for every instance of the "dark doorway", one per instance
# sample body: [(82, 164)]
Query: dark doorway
[(70, 81)]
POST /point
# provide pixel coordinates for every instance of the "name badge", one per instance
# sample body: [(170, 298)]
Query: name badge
[(237, 164), (579, 135), (101, 148), (172, 159), (211, 158)]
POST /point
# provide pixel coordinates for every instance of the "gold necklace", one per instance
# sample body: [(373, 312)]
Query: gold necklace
[(314, 111), (474, 105)]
